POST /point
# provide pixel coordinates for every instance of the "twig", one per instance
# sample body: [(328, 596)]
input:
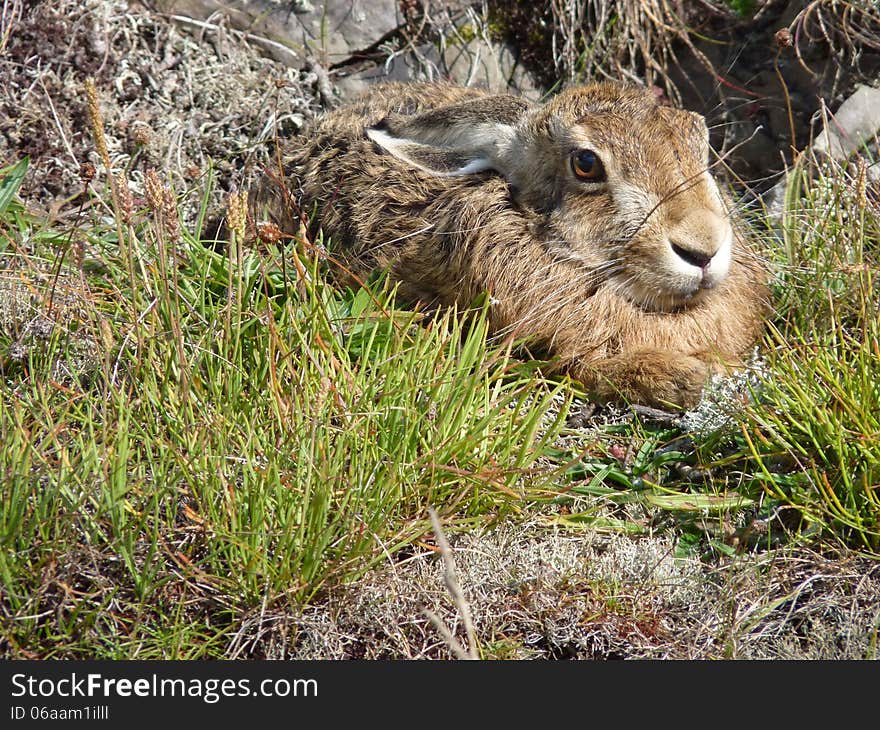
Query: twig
[(450, 578), (261, 40), (325, 88), (448, 636)]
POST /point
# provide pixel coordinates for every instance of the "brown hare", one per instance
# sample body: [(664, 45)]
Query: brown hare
[(592, 222)]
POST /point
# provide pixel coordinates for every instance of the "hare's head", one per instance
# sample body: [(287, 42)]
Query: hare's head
[(612, 182)]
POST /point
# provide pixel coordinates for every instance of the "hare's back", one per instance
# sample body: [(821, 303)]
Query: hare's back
[(407, 99), (384, 100)]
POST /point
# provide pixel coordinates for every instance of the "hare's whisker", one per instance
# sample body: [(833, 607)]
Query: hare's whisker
[(404, 237)]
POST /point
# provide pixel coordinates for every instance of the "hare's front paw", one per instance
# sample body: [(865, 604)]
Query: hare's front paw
[(653, 378)]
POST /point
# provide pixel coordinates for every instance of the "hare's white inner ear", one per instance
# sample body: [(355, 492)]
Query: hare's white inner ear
[(436, 160), (461, 149)]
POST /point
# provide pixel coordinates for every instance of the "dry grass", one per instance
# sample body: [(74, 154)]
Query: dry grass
[(538, 592), (180, 102), (849, 29)]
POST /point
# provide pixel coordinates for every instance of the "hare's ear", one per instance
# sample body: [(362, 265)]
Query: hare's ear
[(437, 160), (694, 127), (460, 139)]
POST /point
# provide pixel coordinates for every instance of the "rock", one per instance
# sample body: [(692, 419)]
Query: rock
[(495, 66), (346, 38), (855, 124), (330, 31), (336, 30), (463, 55)]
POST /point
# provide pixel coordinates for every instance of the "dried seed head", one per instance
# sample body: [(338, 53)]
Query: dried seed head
[(142, 134), (325, 386), (169, 215), (79, 251), (268, 232), (236, 212), (153, 190), (97, 121), (783, 38), (161, 200), (862, 184), (126, 201), (87, 172), (107, 339)]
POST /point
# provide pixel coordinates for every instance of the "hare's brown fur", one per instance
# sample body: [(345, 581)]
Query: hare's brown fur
[(571, 269)]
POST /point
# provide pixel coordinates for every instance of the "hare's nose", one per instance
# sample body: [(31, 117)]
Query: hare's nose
[(700, 259)]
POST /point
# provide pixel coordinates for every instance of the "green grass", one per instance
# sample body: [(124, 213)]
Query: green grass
[(239, 434), (816, 432), (188, 437)]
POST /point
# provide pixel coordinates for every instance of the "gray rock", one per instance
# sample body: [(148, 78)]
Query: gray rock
[(293, 32), (488, 64), (855, 124), (463, 55), (332, 34), (336, 30)]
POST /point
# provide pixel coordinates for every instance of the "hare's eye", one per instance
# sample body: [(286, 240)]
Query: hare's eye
[(587, 166)]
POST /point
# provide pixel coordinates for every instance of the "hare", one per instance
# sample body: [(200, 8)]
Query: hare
[(592, 221)]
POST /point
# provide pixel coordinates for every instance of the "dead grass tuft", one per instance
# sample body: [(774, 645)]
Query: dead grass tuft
[(536, 592), (168, 99)]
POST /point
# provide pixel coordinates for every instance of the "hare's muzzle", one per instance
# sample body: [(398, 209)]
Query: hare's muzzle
[(699, 250)]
